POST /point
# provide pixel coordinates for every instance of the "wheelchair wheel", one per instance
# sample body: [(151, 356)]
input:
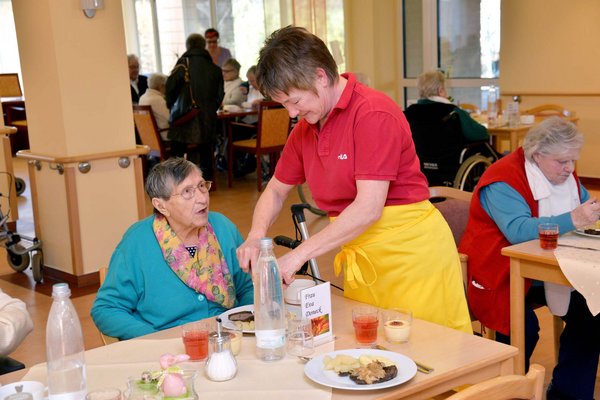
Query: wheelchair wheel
[(18, 262), (20, 186), (306, 197), (470, 172), (37, 263)]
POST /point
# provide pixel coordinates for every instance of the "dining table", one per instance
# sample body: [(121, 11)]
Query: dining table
[(529, 261), (502, 131), (457, 358)]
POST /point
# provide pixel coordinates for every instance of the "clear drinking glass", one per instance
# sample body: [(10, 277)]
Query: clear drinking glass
[(300, 338)]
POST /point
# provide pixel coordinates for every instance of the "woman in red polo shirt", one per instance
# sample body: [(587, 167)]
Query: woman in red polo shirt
[(354, 149)]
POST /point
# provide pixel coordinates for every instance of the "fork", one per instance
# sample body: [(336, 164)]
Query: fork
[(420, 366)]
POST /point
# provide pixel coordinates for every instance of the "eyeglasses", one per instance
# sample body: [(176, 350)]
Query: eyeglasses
[(212, 40), (227, 70), (189, 192)]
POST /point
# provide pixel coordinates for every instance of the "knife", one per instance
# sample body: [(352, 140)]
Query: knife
[(420, 366)]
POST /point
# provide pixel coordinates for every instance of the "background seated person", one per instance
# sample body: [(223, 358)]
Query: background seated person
[(176, 266), (137, 83), (535, 184), (440, 130), (254, 96), (231, 77), (155, 98), (434, 101), (15, 323)]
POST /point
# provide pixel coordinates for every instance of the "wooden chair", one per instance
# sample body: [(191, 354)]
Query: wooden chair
[(549, 110), (470, 108), (148, 131), (14, 111), (530, 386), (10, 86), (105, 338), (271, 134)]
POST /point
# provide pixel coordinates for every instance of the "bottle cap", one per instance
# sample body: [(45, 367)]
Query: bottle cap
[(266, 242), (61, 290)]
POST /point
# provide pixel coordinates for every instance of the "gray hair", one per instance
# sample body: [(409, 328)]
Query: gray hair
[(553, 136), (233, 63), (132, 57), (430, 83), (168, 174), (156, 81), (195, 41)]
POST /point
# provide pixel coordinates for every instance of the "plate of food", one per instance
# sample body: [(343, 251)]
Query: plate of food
[(360, 369), (239, 317), (591, 231)]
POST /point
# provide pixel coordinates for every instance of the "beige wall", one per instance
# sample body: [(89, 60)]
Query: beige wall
[(78, 104), (373, 44), (550, 55)]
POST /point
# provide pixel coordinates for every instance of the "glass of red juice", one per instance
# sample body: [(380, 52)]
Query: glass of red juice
[(195, 340), (366, 321), (548, 234)]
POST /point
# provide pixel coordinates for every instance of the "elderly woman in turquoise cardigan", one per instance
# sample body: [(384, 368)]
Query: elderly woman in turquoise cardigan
[(176, 266)]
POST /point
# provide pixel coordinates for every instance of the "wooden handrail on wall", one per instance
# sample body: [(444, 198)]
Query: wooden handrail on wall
[(538, 94), (29, 155)]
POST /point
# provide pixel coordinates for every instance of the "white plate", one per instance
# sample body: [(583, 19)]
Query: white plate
[(314, 370), (581, 232), (228, 323)]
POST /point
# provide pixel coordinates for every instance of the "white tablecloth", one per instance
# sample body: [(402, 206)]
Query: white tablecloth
[(111, 366), (581, 266)]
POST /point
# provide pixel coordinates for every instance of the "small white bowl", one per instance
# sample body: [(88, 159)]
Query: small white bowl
[(36, 389), (527, 119), (292, 293)]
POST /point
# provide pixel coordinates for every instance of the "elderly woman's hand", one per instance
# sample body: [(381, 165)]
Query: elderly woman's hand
[(586, 214), (247, 253)]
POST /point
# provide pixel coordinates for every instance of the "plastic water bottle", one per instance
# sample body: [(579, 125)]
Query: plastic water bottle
[(512, 110), (492, 110), (64, 348), (269, 311)]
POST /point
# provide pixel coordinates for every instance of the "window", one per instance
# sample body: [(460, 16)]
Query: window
[(460, 37), (9, 56), (161, 27)]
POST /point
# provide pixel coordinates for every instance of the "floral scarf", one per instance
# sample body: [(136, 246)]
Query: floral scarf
[(207, 272)]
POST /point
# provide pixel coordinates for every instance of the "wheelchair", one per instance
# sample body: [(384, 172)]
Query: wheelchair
[(446, 157)]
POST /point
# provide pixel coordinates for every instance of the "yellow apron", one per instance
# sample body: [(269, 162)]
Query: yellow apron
[(407, 259)]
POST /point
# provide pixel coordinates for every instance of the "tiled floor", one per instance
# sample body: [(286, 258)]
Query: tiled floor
[(237, 203)]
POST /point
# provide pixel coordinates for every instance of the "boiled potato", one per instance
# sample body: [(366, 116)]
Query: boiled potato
[(341, 363), (367, 359)]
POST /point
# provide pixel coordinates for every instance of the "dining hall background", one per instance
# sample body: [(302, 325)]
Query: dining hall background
[(79, 109)]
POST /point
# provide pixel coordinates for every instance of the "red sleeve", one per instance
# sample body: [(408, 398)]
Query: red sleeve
[(289, 169)]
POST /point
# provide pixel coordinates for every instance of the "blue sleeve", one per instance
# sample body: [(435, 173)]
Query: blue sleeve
[(510, 212), (472, 130), (112, 311)]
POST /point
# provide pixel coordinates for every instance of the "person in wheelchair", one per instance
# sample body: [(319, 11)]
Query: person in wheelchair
[(445, 136)]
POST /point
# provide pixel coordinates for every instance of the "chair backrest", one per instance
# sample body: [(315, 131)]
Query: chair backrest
[(148, 129), (439, 140), (454, 206), (105, 339), (273, 125), (10, 86), (470, 108), (548, 110), (530, 386)]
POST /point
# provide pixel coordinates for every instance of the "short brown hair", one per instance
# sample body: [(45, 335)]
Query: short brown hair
[(289, 60)]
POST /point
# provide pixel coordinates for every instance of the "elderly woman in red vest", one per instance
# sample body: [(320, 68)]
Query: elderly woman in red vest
[(535, 184)]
